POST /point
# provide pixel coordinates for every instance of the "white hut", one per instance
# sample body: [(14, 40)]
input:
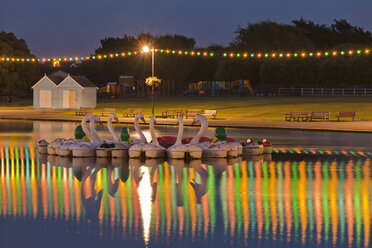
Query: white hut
[(63, 91)]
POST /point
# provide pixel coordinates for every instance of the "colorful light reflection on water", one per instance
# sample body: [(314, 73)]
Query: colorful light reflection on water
[(216, 203)]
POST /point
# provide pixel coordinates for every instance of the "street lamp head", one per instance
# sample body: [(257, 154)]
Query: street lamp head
[(146, 49)]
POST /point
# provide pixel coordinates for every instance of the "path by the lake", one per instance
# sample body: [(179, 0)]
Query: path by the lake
[(347, 126)]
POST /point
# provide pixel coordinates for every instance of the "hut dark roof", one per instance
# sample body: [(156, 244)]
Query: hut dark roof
[(56, 79), (83, 81)]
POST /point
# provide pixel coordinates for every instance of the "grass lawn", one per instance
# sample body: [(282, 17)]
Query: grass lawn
[(246, 108)]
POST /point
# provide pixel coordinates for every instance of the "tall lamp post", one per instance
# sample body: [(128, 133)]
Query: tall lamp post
[(146, 49)]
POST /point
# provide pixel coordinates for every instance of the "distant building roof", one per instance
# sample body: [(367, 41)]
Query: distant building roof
[(83, 81)]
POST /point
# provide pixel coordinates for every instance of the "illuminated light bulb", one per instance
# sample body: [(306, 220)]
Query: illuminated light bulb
[(205, 54), (93, 57), (259, 55), (17, 59), (87, 57), (116, 55), (186, 53), (318, 54), (99, 57), (367, 51), (105, 56), (167, 51), (351, 52), (173, 52), (334, 53), (13, 59), (310, 54), (123, 54), (129, 53), (23, 60), (71, 59), (161, 50), (326, 53), (146, 49), (76, 58), (224, 54), (198, 53), (48, 60), (281, 55), (211, 54), (252, 55), (111, 55), (156, 50), (273, 55), (295, 54), (179, 52), (342, 52), (231, 55), (82, 58), (238, 55), (7, 59), (135, 52), (192, 53), (2, 59), (359, 52), (245, 55), (288, 55), (266, 55), (303, 55), (27, 60)]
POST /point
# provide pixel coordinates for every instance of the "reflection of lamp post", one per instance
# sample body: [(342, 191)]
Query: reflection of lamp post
[(146, 49)]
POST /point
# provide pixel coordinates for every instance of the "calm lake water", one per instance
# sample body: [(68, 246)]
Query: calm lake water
[(291, 200)]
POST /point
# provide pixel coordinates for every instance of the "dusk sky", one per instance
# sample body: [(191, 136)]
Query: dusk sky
[(74, 27)]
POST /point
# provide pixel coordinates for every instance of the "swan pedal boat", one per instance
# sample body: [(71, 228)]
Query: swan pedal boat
[(251, 147)]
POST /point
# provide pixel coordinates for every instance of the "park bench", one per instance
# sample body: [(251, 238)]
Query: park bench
[(345, 114), (131, 112), (193, 112), (84, 111), (174, 113), (211, 113), (319, 115), (108, 111), (297, 115)]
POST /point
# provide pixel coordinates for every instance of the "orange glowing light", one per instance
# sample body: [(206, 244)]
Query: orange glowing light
[(192, 53), (231, 55), (334, 53), (245, 55), (205, 54), (318, 54), (123, 54), (167, 51), (303, 55), (180, 52), (351, 52), (273, 55), (111, 55), (259, 55)]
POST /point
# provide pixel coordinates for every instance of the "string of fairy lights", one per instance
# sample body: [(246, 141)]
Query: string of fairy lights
[(243, 55)]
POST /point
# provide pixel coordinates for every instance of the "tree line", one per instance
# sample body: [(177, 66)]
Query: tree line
[(266, 37)]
